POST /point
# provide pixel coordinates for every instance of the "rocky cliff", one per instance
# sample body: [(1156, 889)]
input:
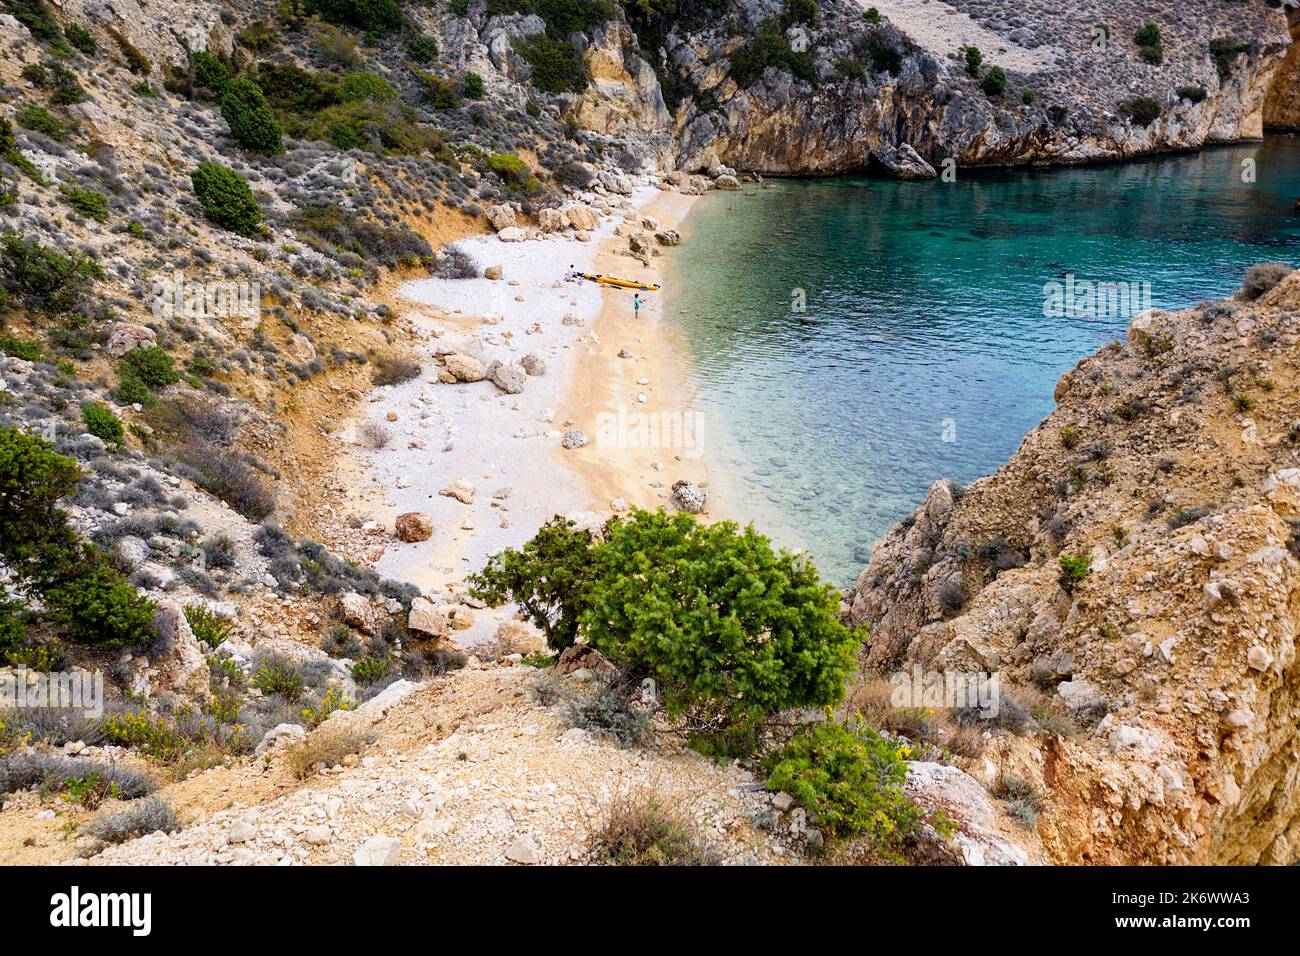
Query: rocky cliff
[(1134, 567), (1282, 106), (848, 88)]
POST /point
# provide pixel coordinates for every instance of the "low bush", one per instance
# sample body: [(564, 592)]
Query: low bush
[(769, 48), (102, 423), (850, 779), (372, 16), (208, 627), (29, 350), (1224, 52), (1263, 278), (557, 65), (279, 677), (154, 815), (641, 828), (91, 204), (1074, 568), (729, 630), (1142, 110), (249, 116), (226, 198), (325, 747), (54, 773), (45, 280), (994, 82), (611, 712), (394, 369)]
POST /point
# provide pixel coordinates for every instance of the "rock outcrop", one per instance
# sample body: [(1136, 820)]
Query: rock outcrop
[(1168, 479)]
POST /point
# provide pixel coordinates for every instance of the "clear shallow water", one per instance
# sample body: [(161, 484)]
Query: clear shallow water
[(925, 320)]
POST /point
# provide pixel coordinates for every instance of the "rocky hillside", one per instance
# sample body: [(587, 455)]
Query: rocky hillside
[(1135, 566)]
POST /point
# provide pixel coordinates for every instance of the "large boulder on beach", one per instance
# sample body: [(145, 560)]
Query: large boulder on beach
[(726, 181), (512, 234), (689, 497), (533, 365), (583, 218), (508, 376), (465, 368), (414, 526), (501, 217), (552, 220)]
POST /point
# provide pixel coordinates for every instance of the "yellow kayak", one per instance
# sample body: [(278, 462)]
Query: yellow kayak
[(620, 283)]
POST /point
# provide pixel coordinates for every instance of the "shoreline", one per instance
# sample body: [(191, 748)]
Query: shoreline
[(508, 446)]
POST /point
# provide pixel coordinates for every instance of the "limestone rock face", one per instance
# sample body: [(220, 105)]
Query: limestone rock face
[(913, 106), (182, 668), (624, 96), (1174, 656)]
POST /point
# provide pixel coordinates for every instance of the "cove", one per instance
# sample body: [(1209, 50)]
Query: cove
[(930, 341)]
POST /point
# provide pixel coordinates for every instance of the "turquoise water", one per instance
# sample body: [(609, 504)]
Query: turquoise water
[(924, 351)]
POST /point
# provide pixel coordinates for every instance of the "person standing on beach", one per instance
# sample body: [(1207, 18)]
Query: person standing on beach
[(636, 305)]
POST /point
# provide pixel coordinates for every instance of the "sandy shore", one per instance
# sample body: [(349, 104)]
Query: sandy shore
[(636, 409)]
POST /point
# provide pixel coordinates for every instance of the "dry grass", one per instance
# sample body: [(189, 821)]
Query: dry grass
[(326, 746), (645, 828)]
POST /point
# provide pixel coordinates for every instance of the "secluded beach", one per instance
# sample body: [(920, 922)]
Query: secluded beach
[(624, 380)]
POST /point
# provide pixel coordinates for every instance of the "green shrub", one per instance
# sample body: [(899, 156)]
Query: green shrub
[(1193, 94), (370, 125), (557, 65), (372, 16), (1142, 110), (79, 591), (91, 204), (251, 121), (151, 365), (211, 73), (279, 677), (422, 47), (1074, 568), (13, 628), (293, 90), (44, 280), (29, 350), (1149, 44), (850, 780), (473, 86), (872, 15), (1057, 114), (95, 605), (994, 82), (364, 85), (1028, 97), (974, 60), (550, 579), (102, 423), (131, 391), (730, 630), (370, 669), (207, 625), (800, 11), (36, 16), (1224, 52), (768, 47), (226, 198), (81, 38), (38, 119)]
